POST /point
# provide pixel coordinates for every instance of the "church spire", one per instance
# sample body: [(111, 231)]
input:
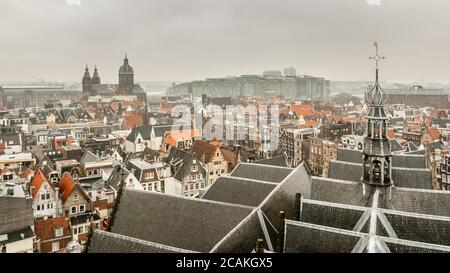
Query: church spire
[(87, 80), (96, 76), (377, 151), (126, 76)]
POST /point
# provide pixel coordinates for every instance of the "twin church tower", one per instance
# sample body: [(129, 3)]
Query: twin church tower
[(127, 92), (126, 79)]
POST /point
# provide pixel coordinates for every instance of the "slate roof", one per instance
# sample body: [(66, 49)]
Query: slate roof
[(180, 162), (115, 178), (89, 157), (337, 216), (175, 221), (280, 161), (395, 146), (398, 160), (107, 242), (146, 131), (230, 217), (19, 235), (13, 138), (419, 178), (308, 238), (261, 172), (239, 191), (441, 122)]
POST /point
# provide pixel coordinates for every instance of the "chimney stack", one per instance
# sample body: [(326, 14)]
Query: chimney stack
[(259, 246), (298, 205), (281, 232)]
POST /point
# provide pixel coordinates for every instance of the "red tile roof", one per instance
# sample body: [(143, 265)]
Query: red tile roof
[(26, 173), (390, 134), (36, 182), (203, 149), (230, 157), (305, 110), (102, 204), (434, 133), (132, 120), (66, 186), (45, 229), (173, 137), (5, 170)]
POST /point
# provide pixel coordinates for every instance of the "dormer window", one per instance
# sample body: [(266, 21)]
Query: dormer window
[(59, 232)]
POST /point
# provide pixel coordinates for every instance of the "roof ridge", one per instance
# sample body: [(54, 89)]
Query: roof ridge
[(144, 242), (192, 199)]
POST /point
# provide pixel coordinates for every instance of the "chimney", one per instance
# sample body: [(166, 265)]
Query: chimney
[(298, 205), (281, 232), (259, 246)]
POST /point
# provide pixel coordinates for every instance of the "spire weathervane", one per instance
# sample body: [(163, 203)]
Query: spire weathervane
[(377, 57)]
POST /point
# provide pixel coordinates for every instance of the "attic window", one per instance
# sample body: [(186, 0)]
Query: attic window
[(59, 232), (3, 237)]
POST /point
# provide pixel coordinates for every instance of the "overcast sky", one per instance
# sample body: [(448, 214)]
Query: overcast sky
[(179, 40)]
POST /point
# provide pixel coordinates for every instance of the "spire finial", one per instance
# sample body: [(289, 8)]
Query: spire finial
[(377, 57)]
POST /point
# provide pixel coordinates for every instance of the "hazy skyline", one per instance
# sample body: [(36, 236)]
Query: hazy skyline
[(195, 39)]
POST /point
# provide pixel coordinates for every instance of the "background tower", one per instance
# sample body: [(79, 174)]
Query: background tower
[(87, 81), (377, 151), (126, 76), (95, 77)]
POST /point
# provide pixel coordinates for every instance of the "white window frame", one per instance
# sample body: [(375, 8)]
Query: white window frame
[(59, 232), (55, 246), (149, 175), (72, 209)]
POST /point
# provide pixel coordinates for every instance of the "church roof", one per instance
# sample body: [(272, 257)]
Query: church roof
[(174, 221), (279, 161), (107, 242), (402, 177), (231, 221), (398, 160), (261, 172), (239, 191)]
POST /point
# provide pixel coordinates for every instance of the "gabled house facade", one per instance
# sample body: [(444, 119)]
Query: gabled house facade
[(211, 155), (52, 234), (146, 136), (46, 202), (187, 169), (148, 175), (75, 200)]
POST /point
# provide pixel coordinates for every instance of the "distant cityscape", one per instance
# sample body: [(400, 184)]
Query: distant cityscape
[(101, 168), (244, 129)]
